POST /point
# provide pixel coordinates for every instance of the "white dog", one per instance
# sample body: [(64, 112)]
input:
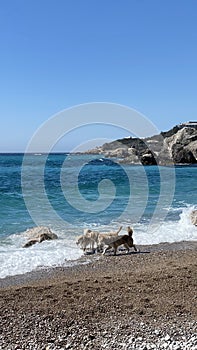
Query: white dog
[(84, 242), (91, 234), (90, 238)]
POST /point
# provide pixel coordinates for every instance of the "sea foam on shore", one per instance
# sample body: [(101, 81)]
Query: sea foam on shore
[(16, 260)]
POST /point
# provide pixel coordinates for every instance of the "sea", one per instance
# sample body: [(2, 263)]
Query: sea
[(71, 192)]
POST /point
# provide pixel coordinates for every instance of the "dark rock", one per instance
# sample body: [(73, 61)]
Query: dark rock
[(39, 234), (148, 158), (183, 156), (30, 243)]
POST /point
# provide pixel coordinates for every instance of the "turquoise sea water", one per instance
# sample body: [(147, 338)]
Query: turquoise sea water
[(71, 192)]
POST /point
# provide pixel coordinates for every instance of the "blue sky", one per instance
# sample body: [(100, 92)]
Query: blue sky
[(59, 53)]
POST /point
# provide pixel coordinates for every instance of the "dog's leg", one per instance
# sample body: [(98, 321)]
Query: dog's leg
[(98, 248), (127, 247), (92, 245), (101, 248), (104, 251), (115, 250), (107, 248), (136, 250)]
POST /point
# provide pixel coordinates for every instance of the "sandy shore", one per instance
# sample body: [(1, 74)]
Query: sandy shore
[(132, 301)]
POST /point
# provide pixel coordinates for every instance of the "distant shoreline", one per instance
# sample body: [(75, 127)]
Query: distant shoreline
[(120, 161)]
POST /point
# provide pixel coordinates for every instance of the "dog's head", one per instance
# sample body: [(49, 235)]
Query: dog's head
[(87, 230), (79, 240), (130, 231)]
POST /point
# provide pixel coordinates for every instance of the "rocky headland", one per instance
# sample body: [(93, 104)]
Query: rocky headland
[(176, 146)]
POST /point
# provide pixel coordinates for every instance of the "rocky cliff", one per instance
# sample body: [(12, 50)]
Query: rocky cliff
[(176, 146)]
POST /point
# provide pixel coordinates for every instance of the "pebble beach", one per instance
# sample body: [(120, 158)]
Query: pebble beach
[(143, 300)]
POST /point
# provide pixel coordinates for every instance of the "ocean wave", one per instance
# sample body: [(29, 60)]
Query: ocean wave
[(16, 260)]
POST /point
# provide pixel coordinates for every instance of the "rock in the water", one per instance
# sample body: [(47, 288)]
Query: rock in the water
[(39, 234), (30, 243), (148, 159), (193, 217)]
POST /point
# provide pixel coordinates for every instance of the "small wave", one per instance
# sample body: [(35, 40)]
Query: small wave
[(168, 231), (16, 260)]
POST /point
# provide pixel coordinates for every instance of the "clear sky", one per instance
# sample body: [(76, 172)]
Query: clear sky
[(59, 53)]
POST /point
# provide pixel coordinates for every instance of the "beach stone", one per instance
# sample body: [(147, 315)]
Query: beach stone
[(167, 337), (39, 234)]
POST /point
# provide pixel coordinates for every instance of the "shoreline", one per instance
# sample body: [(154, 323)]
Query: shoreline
[(138, 301), (47, 272)]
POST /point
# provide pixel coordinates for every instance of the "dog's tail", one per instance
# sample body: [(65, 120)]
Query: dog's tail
[(130, 231), (120, 228)]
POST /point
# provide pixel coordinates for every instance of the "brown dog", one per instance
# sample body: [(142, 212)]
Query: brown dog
[(106, 238), (126, 240)]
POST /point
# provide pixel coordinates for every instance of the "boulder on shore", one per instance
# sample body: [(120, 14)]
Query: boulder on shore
[(39, 234), (193, 217)]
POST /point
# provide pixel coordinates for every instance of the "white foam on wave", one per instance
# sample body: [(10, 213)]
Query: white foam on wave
[(168, 231), (17, 260)]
